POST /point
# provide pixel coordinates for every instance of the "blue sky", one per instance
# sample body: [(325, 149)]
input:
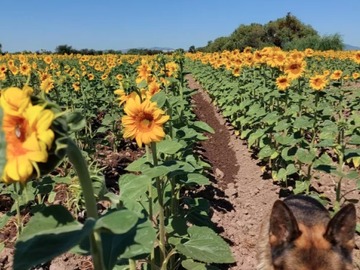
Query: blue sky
[(119, 24)]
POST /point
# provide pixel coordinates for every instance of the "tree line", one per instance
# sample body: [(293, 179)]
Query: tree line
[(287, 33)]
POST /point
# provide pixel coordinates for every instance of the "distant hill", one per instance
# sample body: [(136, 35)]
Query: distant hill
[(348, 47)]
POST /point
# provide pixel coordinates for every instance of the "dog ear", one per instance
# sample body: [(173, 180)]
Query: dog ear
[(341, 228), (283, 225)]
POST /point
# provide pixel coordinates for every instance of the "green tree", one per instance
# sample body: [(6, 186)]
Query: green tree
[(287, 29), (252, 35), (64, 49), (192, 49)]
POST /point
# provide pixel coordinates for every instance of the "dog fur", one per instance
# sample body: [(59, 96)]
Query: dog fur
[(300, 235)]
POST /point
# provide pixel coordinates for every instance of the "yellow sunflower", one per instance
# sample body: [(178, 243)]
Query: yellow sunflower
[(336, 75), (295, 68), (356, 75), (25, 69), (356, 57), (318, 82), (143, 121), (283, 82), (47, 85), (27, 133)]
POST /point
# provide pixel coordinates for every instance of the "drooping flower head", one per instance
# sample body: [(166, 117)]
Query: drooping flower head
[(143, 121)]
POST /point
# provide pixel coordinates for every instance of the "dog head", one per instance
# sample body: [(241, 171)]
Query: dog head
[(321, 246)]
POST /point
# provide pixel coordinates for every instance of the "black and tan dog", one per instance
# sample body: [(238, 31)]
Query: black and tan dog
[(300, 235)]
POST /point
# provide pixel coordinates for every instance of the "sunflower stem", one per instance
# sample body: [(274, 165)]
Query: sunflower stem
[(82, 171), (17, 205), (150, 197), (159, 188)]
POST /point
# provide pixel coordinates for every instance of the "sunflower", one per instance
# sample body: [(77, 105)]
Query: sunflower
[(25, 69), (90, 76), (3, 68), (143, 121), (283, 82), (14, 101), (356, 75), (294, 68), (47, 85), (336, 75), (153, 88), (27, 133), (76, 86), (356, 57), (318, 82), (48, 59)]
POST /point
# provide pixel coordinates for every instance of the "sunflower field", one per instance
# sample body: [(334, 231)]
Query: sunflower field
[(99, 152), (298, 110)]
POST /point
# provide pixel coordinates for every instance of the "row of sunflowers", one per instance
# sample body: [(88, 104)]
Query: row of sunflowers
[(56, 113), (298, 110)]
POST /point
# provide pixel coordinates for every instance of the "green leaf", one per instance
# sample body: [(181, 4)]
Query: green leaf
[(135, 166), (135, 244), (303, 122), (48, 234), (285, 140), (197, 178), (355, 139), (133, 186), (254, 136), (288, 153), (203, 127), (159, 98), (271, 118), (2, 144), (281, 174), (117, 222), (300, 187), (350, 153), (305, 156), (169, 147), (265, 152), (206, 246), (192, 265), (281, 126), (291, 169), (75, 121)]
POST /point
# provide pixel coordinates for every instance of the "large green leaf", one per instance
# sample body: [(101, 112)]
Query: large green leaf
[(133, 186), (48, 234), (117, 222), (169, 147), (206, 246), (265, 152), (303, 122), (197, 178), (136, 243), (305, 156)]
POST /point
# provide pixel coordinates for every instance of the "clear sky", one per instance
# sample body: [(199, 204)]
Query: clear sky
[(122, 24)]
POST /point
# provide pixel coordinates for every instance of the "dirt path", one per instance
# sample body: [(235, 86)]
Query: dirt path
[(249, 197)]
